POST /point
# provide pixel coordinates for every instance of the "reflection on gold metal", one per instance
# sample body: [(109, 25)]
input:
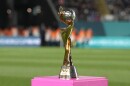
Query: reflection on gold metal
[(68, 71)]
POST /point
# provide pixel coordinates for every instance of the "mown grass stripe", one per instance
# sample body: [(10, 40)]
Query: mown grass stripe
[(21, 64)]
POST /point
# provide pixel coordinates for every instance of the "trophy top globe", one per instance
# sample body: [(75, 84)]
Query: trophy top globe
[(67, 16)]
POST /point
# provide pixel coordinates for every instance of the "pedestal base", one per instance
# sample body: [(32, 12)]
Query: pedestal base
[(82, 81)]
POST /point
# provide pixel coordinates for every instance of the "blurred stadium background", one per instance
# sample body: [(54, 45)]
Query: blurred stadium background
[(30, 43)]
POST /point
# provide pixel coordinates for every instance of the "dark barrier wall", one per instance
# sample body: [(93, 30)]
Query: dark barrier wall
[(117, 28)]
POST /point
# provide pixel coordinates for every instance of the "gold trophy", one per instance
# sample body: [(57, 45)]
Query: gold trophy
[(68, 71)]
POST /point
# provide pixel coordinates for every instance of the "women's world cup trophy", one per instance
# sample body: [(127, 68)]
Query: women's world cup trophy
[(68, 71), (68, 75)]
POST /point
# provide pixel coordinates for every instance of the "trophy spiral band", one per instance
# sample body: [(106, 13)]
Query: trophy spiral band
[(68, 71)]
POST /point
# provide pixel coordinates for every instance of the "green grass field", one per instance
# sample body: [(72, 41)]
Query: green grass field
[(19, 65)]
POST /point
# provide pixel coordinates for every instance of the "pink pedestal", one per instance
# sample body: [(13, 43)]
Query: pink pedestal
[(82, 81)]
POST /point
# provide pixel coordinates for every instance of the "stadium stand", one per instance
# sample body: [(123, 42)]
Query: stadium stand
[(26, 18)]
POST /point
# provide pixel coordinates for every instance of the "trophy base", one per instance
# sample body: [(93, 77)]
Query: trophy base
[(68, 72), (82, 81)]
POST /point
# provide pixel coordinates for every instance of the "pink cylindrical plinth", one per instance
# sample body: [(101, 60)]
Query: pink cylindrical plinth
[(82, 81)]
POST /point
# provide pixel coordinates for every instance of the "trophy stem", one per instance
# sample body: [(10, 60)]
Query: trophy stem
[(68, 71)]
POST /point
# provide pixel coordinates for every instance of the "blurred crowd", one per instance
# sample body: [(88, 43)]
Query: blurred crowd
[(25, 17), (53, 37), (119, 9), (22, 32)]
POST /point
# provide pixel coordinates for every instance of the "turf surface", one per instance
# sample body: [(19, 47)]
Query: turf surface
[(19, 65)]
